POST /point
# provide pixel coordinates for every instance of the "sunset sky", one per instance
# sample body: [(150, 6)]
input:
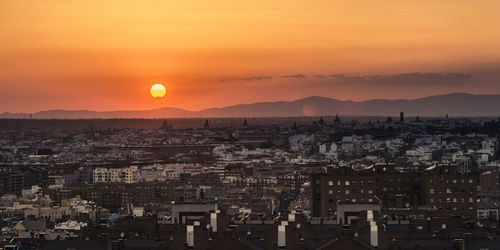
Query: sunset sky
[(105, 55)]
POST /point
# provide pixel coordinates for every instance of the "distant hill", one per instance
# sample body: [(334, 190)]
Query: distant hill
[(458, 104)]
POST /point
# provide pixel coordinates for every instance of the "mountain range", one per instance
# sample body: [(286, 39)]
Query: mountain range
[(456, 104)]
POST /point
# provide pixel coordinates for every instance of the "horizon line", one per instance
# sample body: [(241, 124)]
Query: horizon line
[(232, 105)]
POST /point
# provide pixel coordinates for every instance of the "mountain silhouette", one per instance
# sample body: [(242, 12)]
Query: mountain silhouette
[(456, 104)]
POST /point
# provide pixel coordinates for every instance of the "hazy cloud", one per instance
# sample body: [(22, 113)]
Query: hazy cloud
[(246, 79), (407, 79), (294, 76), (257, 78), (337, 76)]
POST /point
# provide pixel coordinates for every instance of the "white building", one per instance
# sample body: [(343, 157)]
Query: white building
[(123, 175), (70, 225)]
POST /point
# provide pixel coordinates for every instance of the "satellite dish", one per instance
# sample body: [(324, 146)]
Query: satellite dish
[(298, 225), (443, 226), (122, 235)]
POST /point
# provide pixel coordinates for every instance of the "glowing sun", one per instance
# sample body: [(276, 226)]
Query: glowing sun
[(158, 91)]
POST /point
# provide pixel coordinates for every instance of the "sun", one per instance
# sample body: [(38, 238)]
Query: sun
[(158, 90)]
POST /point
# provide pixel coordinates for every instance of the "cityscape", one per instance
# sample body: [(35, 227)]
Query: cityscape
[(249, 124), (320, 183)]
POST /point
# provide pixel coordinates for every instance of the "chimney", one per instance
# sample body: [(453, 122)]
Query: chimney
[(369, 216), (281, 236), (190, 236), (213, 222), (373, 234)]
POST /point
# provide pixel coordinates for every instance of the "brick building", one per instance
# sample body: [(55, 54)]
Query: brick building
[(444, 189)]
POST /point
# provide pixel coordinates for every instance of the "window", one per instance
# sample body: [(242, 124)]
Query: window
[(330, 183), (454, 180), (347, 183), (455, 200), (448, 191), (470, 180), (347, 191), (431, 191), (330, 191), (370, 191), (370, 200), (471, 199)]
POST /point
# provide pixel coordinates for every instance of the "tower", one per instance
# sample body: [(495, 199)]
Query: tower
[(337, 120), (321, 121)]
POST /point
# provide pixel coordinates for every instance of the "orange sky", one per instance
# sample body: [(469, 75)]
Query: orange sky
[(104, 55)]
